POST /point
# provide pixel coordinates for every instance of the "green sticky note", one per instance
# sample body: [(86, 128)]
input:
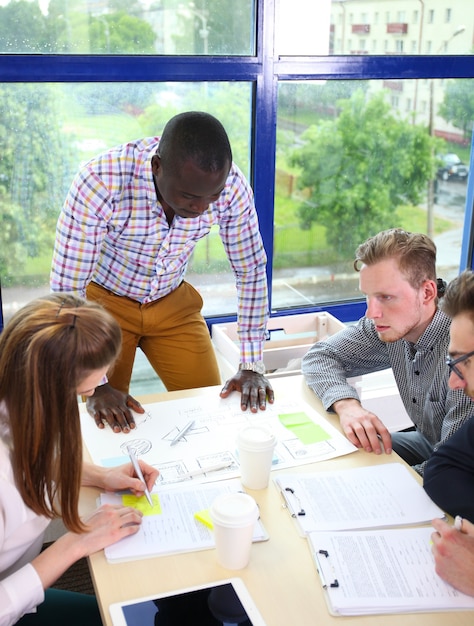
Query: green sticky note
[(142, 504), (303, 427)]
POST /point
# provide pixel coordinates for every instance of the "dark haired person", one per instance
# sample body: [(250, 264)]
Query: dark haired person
[(53, 349), (402, 329), (449, 473), (126, 233)]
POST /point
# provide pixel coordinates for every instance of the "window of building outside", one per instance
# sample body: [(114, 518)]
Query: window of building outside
[(338, 178)]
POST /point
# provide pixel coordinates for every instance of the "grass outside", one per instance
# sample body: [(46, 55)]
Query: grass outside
[(301, 248), (293, 247)]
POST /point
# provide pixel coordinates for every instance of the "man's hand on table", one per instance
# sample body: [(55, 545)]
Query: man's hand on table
[(114, 407), (363, 428), (255, 390)]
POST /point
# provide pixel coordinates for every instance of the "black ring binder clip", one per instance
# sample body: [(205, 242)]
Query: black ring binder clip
[(335, 582), (301, 511)]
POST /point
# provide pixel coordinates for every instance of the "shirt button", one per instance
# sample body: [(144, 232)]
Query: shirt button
[(414, 400)]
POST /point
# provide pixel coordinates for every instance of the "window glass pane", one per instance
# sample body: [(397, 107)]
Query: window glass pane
[(356, 157), (214, 27), (340, 27), (61, 126)]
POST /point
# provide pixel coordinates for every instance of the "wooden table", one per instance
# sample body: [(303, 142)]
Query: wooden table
[(281, 576)]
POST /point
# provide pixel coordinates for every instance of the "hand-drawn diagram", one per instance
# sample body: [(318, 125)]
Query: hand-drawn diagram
[(139, 446)]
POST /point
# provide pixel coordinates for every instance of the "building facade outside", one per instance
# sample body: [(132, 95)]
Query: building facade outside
[(407, 27)]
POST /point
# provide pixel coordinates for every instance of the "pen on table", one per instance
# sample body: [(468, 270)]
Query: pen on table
[(182, 432), (205, 470), (458, 522), (139, 473)]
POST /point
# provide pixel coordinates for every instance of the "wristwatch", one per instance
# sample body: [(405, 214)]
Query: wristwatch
[(255, 366)]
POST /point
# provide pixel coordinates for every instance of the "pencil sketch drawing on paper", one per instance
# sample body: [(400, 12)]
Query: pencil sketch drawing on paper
[(138, 446)]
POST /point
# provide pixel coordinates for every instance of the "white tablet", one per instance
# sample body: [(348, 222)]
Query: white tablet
[(213, 604)]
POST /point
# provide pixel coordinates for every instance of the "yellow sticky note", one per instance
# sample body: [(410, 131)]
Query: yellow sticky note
[(142, 504), (204, 517)]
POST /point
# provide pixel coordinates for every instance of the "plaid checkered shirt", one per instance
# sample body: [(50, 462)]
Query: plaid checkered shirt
[(112, 230), (419, 369)]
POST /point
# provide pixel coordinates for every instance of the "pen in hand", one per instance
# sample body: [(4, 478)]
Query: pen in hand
[(182, 432), (139, 473)]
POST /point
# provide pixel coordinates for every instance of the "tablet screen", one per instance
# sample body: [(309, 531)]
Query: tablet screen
[(225, 603)]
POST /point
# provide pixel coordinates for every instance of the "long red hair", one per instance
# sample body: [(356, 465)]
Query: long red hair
[(46, 350)]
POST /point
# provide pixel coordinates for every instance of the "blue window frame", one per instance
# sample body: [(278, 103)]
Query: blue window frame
[(263, 70)]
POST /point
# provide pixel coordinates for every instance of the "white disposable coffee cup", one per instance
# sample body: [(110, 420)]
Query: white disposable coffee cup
[(233, 517), (255, 445)]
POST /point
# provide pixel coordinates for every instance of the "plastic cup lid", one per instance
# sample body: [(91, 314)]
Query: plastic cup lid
[(256, 438), (234, 509)]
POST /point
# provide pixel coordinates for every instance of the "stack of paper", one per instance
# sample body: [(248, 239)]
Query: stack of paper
[(364, 497), (381, 570)]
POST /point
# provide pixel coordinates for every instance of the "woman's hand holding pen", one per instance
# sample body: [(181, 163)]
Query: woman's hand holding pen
[(453, 551), (105, 526), (119, 478)]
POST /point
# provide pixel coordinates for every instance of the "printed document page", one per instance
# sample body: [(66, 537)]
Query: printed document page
[(364, 497), (382, 571)]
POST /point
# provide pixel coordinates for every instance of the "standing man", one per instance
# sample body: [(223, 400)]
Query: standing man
[(449, 474), (127, 230), (402, 329)]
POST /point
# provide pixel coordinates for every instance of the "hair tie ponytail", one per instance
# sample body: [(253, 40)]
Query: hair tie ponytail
[(441, 287)]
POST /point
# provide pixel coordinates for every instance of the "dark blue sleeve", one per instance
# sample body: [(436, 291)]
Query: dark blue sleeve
[(449, 473)]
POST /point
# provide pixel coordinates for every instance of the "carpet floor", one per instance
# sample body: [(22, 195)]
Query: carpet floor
[(76, 578)]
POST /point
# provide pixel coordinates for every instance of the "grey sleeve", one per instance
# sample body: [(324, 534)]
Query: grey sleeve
[(354, 351)]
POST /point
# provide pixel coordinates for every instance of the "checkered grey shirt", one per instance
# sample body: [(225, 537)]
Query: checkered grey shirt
[(422, 377)]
